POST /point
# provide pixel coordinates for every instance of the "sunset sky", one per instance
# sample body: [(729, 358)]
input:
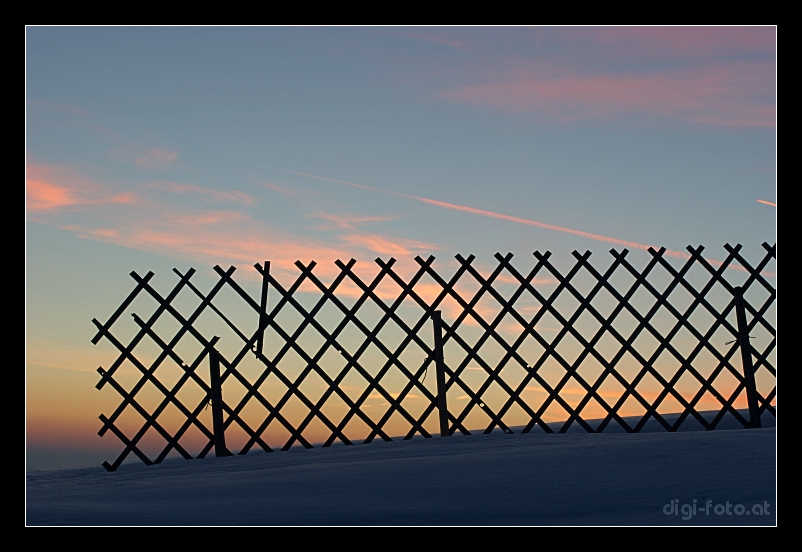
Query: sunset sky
[(152, 148)]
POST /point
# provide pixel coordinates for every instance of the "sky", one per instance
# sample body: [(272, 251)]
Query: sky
[(149, 148)]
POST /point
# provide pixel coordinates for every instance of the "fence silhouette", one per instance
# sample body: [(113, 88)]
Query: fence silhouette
[(510, 351)]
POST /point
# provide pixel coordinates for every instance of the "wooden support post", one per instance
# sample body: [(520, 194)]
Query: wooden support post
[(439, 365), (746, 359), (217, 404), (263, 309)]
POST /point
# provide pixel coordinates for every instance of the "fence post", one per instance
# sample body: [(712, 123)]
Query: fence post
[(263, 309), (439, 366), (746, 358), (217, 403)]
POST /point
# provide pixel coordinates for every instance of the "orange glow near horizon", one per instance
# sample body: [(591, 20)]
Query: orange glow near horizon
[(62, 404)]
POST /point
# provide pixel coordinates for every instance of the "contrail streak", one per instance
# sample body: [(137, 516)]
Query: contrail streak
[(766, 202), (597, 237), (491, 214), (510, 218)]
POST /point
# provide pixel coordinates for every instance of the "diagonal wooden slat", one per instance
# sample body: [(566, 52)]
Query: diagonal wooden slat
[(124, 305)]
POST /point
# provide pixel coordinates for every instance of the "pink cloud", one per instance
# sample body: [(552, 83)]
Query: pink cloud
[(383, 245), (212, 237), (229, 237), (349, 222), (209, 236), (50, 188), (42, 195), (389, 246), (766, 202), (727, 94)]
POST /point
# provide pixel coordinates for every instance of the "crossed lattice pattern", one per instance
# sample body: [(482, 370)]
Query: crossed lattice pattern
[(463, 353)]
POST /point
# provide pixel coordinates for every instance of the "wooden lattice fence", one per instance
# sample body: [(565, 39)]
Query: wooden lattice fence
[(553, 343)]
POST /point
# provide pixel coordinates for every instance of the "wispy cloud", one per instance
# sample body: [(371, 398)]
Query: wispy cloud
[(182, 230), (712, 76), (209, 236), (350, 221), (766, 202), (144, 156), (49, 187), (208, 194), (43, 196), (377, 243), (736, 94), (212, 237), (389, 246)]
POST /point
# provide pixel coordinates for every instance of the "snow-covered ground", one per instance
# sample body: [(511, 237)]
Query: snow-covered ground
[(497, 479)]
